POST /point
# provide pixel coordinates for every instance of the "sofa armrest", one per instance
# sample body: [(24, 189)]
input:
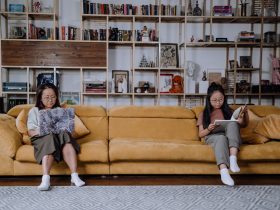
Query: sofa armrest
[(10, 138)]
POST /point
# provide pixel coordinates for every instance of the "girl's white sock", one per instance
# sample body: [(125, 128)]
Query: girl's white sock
[(226, 178), (45, 184), (233, 164), (75, 179)]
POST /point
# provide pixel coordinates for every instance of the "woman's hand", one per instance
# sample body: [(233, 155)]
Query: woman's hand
[(33, 132), (211, 127), (243, 116)]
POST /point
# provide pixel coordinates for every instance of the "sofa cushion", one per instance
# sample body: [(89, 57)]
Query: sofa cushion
[(248, 134), (156, 128), (269, 151), (139, 149), (263, 111), (174, 112), (94, 151), (269, 126), (21, 123), (10, 138)]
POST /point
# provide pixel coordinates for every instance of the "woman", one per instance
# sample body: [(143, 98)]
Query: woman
[(224, 140), (50, 147)]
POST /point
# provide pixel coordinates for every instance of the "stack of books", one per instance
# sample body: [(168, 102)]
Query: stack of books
[(95, 86)]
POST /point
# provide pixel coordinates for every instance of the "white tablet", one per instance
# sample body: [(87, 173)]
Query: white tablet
[(224, 122)]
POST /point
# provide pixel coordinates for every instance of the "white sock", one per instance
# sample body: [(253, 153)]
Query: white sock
[(233, 164), (225, 177), (45, 184), (75, 179)]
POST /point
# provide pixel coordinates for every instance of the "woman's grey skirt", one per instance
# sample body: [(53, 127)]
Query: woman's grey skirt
[(52, 144)]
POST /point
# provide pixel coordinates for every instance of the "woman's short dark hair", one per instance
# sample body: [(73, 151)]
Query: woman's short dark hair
[(39, 93)]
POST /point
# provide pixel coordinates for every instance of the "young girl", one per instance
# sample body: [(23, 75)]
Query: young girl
[(224, 140), (51, 147)]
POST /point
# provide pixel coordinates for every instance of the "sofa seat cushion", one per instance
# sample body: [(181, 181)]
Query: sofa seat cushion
[(269, 151), (94, 151), (145, 149)]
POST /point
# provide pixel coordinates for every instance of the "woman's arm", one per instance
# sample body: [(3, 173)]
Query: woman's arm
[(33, 122), (204, 132), (243, 119)]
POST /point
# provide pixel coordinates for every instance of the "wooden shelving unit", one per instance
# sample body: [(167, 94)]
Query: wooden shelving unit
[(79, 61)]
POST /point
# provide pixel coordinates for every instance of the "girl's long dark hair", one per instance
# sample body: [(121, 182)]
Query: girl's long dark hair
[(227, 111), (39, 93)]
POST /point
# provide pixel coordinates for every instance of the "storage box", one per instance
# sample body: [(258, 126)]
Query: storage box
[(16, 8), (203, 86)]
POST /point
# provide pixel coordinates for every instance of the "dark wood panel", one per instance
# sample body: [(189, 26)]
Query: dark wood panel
[(54, 53)]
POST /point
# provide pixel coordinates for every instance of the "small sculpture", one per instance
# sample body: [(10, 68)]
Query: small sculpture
[(197, 11), (204, 78)]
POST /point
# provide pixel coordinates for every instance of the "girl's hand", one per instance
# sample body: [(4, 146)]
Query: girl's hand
[(33, 132), (211, 127), (242, 115)]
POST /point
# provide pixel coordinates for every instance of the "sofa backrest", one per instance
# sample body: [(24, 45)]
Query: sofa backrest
[(94, 118), (156, 122), (260, 110)]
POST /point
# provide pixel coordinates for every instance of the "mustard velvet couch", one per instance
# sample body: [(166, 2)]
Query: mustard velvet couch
[(137, 140)]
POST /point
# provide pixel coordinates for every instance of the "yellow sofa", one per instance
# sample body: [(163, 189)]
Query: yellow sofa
[(137, 140)]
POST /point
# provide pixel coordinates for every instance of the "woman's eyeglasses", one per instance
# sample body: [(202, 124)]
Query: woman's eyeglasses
[(49, 98), (217, 100)]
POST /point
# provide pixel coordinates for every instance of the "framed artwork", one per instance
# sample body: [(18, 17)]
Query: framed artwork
[(246, 61), (169, 55), (231, 64), (165, 83), (71, 98), (120, 80)]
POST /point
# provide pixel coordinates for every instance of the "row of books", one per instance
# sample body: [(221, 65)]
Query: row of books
[(40, 33), (94, 34), (129, 9), (70, 33)]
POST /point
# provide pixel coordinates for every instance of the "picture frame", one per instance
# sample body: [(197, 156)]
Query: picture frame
[(169, 55), (165, 83), (121, 81), (245, 61), (71, 98), (231, 64)]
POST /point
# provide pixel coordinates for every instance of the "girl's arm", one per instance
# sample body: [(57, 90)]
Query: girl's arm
[(243, 119), (33, 122), (204, 132)]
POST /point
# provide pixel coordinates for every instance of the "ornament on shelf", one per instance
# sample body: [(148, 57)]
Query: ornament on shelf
[(146, 87), (192, 38), (36, 6), (204, 78), (197, 11), (144, 62), (243, 8), (113, 86), (190, 12)]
